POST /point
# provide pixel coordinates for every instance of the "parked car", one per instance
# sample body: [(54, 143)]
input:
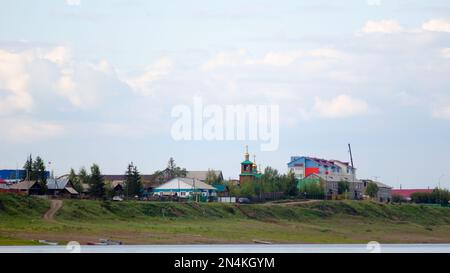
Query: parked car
[(243, 200), (117, 198)]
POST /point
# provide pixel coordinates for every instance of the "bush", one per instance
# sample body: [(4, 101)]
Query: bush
[(312, 190), (343, 187), (437, 196), (397, 198), (372, 189)]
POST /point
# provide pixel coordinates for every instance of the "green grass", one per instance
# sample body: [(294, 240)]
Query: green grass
[(17, 242), (169, 222), (22, 206)]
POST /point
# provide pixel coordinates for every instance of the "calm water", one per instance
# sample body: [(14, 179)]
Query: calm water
[(250, 248)]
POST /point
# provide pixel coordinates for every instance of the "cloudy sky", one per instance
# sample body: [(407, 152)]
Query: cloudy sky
[(95, 81)]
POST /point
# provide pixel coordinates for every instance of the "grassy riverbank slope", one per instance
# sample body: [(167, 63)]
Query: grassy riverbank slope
[(21, 222)]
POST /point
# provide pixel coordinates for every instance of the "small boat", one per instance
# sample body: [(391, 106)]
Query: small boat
[(96, 244), (110, 242), (48, 242), (262, 242)]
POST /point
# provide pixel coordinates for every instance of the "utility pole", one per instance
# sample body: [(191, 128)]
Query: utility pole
[(178, 189), (439, 182), (439, 188), (195, 191)]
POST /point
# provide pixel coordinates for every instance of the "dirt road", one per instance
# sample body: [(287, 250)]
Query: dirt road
[(55, 205)]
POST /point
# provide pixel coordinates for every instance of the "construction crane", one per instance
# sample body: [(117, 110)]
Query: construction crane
[(351, 160), (351, 157)]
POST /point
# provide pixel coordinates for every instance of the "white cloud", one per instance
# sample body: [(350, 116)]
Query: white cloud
[(226, 58), (40, 73), (341, 106), (157, 71), (13, 83), (446, 53), (73, 2), (279, 58), (374, 2), (27, 130), (41, 82), (327, 52), (408, 99), (272, 58), (442, 112), (383, 26), (60, 55), (437, 25)]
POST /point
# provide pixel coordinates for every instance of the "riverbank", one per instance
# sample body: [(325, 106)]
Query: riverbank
[(22, 222)]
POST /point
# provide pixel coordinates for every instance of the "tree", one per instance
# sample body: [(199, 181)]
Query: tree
[(440, 196), (96, 183), (83, 177), (28, 167), (171, 171), (312, 188), (39, 174), (372, 189), (437, 196), (133, 185), (271, 180), (397, 198), (247, 190), (159, 177), (171, 167), (343, 187), (212, 178), (291, 185), (75, 181)]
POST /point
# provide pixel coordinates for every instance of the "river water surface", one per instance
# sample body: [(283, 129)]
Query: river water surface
[(372, 247)]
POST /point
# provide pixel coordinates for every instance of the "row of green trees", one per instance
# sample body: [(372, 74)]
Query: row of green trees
[(437, 196), (271, 181), (94, 185), (316, 189), (91, 183), (35, 171)]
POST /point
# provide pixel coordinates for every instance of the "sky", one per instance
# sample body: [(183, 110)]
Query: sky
[(85, 82)]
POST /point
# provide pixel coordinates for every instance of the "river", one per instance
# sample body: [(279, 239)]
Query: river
[(372, 247)]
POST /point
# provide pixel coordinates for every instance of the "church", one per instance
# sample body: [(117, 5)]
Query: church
[(249, 170)]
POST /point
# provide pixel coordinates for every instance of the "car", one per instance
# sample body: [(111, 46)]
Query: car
[(243, 200), (117, 198)]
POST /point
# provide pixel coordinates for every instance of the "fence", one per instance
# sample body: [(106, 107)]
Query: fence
[(267, 196)]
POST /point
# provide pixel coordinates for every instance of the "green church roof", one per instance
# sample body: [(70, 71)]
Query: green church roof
[(247, 174), (246, 162)]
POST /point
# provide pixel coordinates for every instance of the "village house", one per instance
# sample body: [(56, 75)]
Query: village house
[(303, 166), (27, 187), (116, 182), (331, 172), (331, 185), (3, 185), (203, 175), (61, 187), (384, 193), (183, 187)]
